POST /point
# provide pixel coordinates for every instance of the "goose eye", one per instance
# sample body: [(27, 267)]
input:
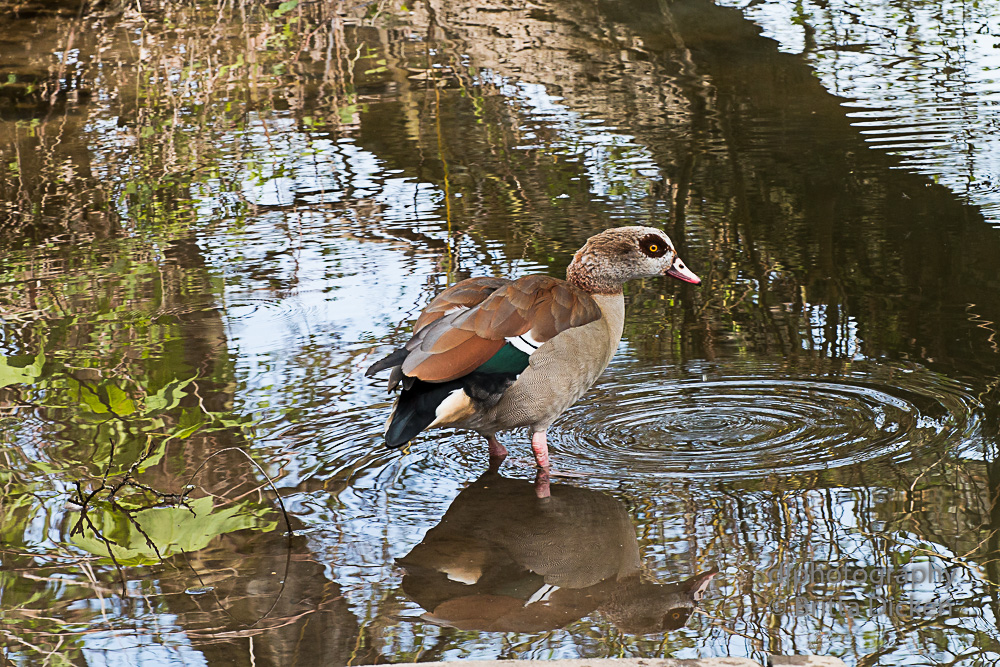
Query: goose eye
[(653, 246)]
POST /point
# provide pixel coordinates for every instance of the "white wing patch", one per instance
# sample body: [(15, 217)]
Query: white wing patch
[(455, 407), (468, 575), (525, 343), (542, 594)]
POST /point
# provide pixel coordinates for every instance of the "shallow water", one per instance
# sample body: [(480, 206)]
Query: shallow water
[(212, 221)]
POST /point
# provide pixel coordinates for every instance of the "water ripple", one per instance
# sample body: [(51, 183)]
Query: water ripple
[(752, 424)]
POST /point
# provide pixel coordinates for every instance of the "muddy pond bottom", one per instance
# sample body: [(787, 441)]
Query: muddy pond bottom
[(750, 420)]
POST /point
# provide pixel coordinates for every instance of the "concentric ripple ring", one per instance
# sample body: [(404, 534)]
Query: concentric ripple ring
[(732, 424)]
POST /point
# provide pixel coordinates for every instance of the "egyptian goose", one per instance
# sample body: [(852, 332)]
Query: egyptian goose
[(491, 354)]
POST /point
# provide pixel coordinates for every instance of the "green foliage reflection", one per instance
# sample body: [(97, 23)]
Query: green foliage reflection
[(150, 535)]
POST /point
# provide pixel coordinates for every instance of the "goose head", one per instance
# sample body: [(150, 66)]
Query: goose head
[(610, 259)]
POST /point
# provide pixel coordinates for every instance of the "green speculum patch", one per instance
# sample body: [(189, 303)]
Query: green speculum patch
[(508, 359)]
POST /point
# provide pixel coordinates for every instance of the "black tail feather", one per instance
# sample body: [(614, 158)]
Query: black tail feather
[(415, 410), (394, 359)]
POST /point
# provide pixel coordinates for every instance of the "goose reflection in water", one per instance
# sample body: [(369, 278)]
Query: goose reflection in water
[(503, 560)]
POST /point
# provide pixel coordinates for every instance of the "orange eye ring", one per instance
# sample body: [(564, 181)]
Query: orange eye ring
[(653, 247)]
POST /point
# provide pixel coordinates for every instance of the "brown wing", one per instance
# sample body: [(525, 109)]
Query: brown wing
[(466, 294), (460, 341), (459, 297)]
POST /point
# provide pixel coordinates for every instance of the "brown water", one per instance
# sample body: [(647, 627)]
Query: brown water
[(213, 219)]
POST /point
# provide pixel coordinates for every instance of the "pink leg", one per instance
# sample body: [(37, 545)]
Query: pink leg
[(542, 483), (540, 447), (497, 452)]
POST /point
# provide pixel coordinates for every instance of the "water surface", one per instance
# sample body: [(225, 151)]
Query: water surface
[(212, 221)]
